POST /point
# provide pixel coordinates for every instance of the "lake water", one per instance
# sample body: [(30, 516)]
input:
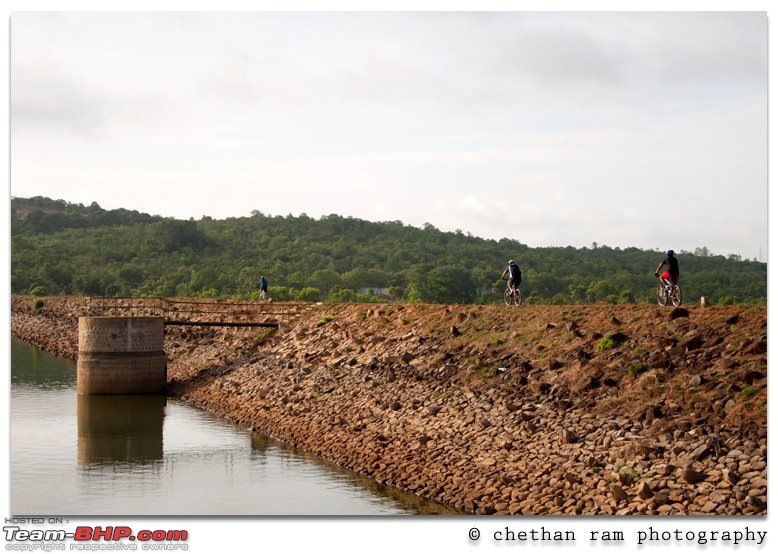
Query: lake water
[(94, 455)]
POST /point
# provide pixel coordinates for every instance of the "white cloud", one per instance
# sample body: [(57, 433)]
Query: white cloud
[(45, 97), (560, 125)]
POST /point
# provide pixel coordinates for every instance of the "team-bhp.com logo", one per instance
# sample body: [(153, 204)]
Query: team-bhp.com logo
[(85, 537)]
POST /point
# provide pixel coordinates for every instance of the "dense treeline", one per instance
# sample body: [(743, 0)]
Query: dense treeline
[(63, 248), (44, 215)]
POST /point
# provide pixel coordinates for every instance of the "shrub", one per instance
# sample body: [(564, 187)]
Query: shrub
[(40, 290), (338, 294), (309, 294), (324, 321), (606, 343), (637, 368), (37, 304), (282, 294)]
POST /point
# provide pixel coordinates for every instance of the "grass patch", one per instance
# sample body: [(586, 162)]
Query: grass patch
[(637, 368), (640, 351), (486, 371), (324, 321), (263, 337), (606, 343)]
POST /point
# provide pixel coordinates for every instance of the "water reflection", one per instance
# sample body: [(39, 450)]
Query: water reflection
[(154, 456), (115, 429), (34, 368), (265, 448)]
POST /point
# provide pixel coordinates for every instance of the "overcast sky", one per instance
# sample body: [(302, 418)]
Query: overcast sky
[(554, 129)]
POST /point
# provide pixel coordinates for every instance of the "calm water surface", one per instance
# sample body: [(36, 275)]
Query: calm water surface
[(150, 455)]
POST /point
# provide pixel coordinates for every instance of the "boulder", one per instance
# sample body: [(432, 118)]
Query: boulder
[(692, 476), (679, 312), (619, 494)]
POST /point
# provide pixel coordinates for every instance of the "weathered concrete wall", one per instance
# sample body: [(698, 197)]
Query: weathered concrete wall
[(121, 355)]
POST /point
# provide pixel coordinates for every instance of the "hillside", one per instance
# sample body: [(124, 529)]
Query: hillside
[(61, 248), (598, 409)]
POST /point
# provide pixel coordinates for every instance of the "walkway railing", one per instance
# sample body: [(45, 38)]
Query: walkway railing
[(225, 313)]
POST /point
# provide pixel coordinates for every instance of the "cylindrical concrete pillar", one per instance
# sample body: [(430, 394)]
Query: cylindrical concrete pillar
[(121, 355)]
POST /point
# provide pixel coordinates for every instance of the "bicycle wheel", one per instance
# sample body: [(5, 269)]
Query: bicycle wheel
[(661, 296), (676, 296), (508, 298), (517, 297)]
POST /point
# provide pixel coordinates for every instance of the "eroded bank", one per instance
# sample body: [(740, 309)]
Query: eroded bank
[(537, 410)]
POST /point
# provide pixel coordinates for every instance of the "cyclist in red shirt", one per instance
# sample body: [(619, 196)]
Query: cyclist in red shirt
[(672, 273)]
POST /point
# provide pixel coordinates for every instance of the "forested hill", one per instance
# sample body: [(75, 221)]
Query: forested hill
[(63, 248)]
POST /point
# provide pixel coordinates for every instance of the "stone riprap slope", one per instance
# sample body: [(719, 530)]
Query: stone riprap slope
[(532, 410)]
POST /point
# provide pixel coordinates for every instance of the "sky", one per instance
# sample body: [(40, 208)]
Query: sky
[(644, 129)]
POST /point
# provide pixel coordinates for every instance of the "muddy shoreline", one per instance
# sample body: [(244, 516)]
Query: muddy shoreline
[(491, 410)]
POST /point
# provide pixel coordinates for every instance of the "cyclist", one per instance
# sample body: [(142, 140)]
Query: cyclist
[(672, 273), (513, 274)]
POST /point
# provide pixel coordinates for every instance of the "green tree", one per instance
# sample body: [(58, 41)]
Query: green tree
[(130, 277), (72, 249), (598, 291), (444, 285), (309, 294), (324, 279), (176, 235)]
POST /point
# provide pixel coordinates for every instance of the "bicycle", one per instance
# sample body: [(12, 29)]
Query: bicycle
[(512, 299), (667, 291)]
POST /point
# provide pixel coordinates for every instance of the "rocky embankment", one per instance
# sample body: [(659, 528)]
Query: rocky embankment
[(533, 410)]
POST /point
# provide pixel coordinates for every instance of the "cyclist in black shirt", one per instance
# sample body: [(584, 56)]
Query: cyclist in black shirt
[(514, 276), (672, 273)]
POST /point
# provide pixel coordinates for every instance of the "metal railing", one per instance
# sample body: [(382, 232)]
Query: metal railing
[(210, 312)]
